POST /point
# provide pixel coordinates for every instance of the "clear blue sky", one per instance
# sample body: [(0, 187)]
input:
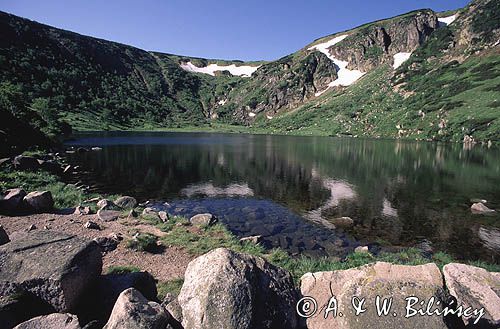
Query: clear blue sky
[(236, 29)]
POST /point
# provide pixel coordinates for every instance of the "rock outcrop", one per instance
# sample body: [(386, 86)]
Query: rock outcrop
[(54, 268), (133, 311), (51, 321), (398, 282), (477, 288), (224, 289)]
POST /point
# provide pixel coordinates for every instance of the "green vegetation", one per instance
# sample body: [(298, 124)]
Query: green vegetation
[(143, 242), (64, 195), (169, 287), (122, 269)]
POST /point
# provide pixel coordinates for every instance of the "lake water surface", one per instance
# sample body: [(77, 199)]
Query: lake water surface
[(289, 189)]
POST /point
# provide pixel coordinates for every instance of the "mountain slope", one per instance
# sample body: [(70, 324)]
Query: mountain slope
[(421, 75)]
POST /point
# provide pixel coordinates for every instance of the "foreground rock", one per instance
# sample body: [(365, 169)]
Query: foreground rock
[(480, 208), (54, 268), (51, 321), (477, 288), (126, 202), (133, 311), (108, 215), (12, 200), (203, 220), (4, 238), (39, 201), (225, 289), (379, 279)]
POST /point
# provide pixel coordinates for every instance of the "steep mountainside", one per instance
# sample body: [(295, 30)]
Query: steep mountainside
[(421, 75)]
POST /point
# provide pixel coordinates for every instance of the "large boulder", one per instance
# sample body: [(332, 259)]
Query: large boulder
[(126, 202), (224, 289), (39, 201), (477, 288), (51, 321), (385, 280), (133, 311), (4, 238), (52, 267), (12, 200), (22, 162), (203, 220)]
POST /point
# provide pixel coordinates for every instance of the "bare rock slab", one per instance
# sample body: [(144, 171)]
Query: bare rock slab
[(133, 311), (477, 288), (228, 290), (53, 267), (385, 280), (51, 321)]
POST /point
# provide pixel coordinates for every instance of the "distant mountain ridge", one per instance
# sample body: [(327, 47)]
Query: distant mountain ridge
[(420, 75)]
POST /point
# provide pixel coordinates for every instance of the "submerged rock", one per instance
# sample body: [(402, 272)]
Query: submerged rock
[(475, 287), (53, 267), (51, 321), (133, 311), (379, 279), (203, 220), (225, 289)]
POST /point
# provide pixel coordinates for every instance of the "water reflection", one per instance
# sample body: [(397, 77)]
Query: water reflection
[(396, 192)]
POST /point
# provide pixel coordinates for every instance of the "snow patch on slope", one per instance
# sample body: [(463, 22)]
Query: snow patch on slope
[(400, 58), (242, 71), (444, 21), (345, 77)]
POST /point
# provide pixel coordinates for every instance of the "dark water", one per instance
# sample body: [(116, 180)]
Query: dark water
[(288, 189)]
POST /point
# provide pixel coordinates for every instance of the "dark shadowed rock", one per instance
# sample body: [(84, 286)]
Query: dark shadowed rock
[(379, 279), (12, 200), (133, 311), (53, 267), (39, 201), (4, 237), (225, 289), (51, 321), (106, 244), (126, 202), (475, 287), (203, 220), (22, 162)]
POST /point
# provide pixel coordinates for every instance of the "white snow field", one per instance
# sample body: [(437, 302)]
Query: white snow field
[(242, 71), (444, 21), (400, 58), (345, 77)]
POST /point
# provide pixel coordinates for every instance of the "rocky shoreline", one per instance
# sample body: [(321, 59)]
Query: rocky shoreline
[(55, 272)]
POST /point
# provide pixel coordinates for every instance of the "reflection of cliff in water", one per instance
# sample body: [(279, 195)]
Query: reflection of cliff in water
[(394, 191)]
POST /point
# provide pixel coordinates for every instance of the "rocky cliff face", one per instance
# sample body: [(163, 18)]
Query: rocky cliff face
[(368, 47), (283, 84)]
